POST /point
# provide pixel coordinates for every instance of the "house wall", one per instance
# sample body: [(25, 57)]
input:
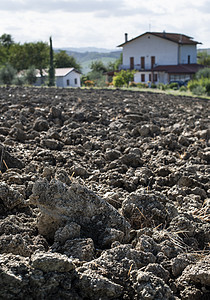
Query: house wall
[(162, 77), (186, 50), (61, 81), (165, 52)]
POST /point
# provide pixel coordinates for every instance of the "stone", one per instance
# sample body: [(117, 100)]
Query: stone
[(61, 204), (51, 262)]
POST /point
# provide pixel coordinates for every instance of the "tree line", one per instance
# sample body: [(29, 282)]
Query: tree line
[(29, 57)]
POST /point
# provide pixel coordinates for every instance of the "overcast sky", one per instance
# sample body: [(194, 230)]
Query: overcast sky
[(102, 23)]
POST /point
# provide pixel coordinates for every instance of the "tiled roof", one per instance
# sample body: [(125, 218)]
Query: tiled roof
[(59, 72), (174, 37), (62, 71), (178, 69)]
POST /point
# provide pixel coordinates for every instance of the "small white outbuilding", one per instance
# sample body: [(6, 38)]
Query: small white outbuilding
[(67, 77), (64, 77)]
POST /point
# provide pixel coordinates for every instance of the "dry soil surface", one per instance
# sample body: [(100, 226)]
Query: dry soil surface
[(104, 194)]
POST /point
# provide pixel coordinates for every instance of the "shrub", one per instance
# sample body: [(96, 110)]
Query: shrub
[(108, 84), (30, 75), (141, 85), (153, 86), (203, 73), (123, 78), (183, 89), (118, 81), (132, 84), (100, 82), (18, 80), (89, 83), (198, 86), (7, 74), (208, 88), (162, 86), (174, 85), (192, 84), (198, 90)]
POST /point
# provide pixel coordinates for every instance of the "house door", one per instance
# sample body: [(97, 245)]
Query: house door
[(131, 63), (152, 61)]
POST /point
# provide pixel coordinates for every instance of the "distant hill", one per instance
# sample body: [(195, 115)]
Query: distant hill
[(85, 58), (89, 49)]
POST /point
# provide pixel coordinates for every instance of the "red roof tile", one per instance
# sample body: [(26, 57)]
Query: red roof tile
[(173, 37), (178, 69)]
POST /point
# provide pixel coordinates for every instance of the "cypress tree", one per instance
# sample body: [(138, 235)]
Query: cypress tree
[(51, 69)]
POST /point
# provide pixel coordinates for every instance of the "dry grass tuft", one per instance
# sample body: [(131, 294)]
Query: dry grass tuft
[(203, 213), (182, 155), (138, 220), (71, 176), (129, 272), (5, 164)]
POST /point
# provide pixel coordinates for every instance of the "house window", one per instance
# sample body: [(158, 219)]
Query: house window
[(75, 81), (152, 61), (154, 77), (142, 77), (142, 62), (67, 82), (188, 59), (131, 63), (150, 77)]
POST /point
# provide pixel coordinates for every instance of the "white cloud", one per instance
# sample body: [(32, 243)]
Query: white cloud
[(101, 23)]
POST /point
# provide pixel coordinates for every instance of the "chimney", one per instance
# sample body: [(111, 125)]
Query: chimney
[(126, 37)]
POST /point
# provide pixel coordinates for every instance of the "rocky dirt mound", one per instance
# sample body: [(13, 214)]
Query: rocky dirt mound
[(104, 194)]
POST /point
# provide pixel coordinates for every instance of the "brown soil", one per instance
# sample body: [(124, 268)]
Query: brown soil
[(104, 194)]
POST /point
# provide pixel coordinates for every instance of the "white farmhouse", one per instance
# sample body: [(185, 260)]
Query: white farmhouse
[(64, 77), (160, 57)]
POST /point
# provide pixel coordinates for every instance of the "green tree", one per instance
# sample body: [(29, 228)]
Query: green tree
[(18, 57), (6, 40), (18, 80), (204, 58), (22, 57), (118, 80), (51, 68), (119, 61), (97, 77), (114, 66), (111, 66), (7, 74), (63, 60), (98, 66), (123, 78), (203, 73), (30, 75), (37, 55), (3, 55), (97, 73)]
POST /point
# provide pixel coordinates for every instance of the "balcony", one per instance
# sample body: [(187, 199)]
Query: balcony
[(136, 67), (127, 67)]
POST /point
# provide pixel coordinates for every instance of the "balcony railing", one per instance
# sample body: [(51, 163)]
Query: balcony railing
[(136, 67)]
